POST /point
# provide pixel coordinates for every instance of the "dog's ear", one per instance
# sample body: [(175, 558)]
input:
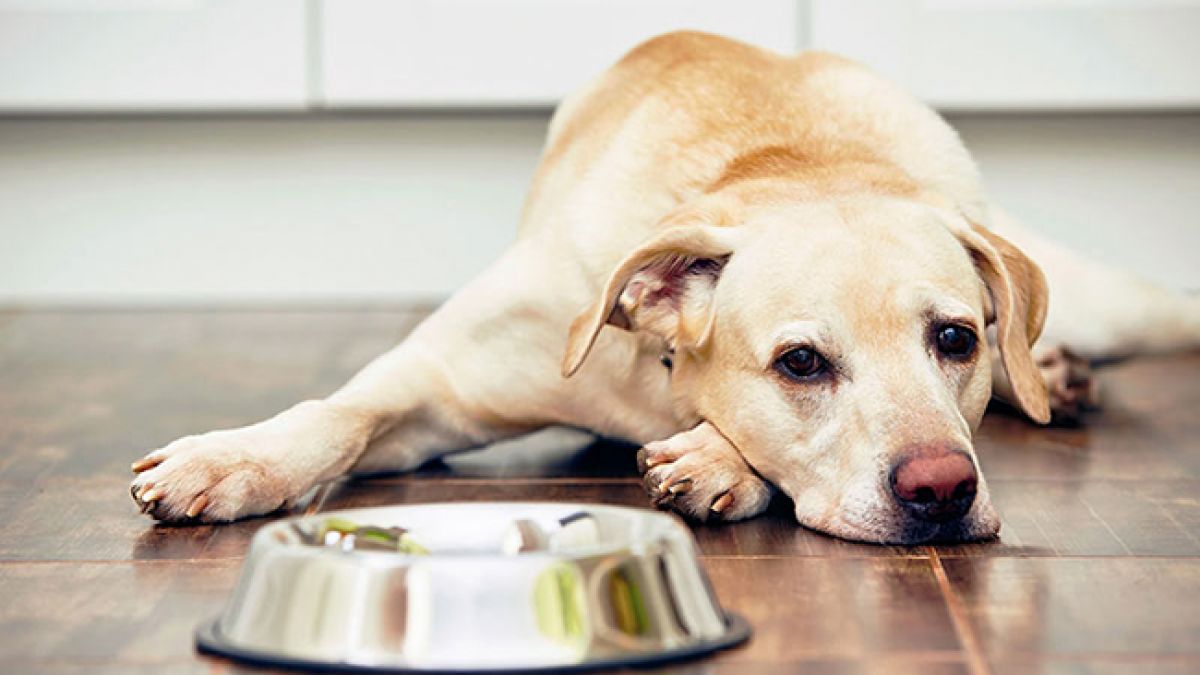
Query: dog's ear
[(1018, 306), (664, 287)]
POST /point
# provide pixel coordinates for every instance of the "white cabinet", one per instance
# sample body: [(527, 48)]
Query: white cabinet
[(1024, 54), (441, 53), (200, 55), (97, 55)]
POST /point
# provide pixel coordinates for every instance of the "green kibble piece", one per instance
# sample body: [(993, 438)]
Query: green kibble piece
[(368, 537), (628, 608), (556, 603), (407, 545), (338, 525)]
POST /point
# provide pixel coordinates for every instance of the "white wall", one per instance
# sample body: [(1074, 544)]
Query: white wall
[(1124, 188), (312, 208), (248, 209)]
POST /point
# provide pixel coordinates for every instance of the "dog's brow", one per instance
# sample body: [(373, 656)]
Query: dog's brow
[(937, 301), (807, 331), (950, 309)]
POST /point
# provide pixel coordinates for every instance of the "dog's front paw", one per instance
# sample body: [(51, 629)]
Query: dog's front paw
[(1072, 387), (230, 474), (702, 476), (213, 477)]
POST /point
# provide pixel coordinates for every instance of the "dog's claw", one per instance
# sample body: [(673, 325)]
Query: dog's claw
[(700, 475), (721, 503), (197, 506), (143, 505), (661, 499), (679, 487), (652, 455), (151, 494), (148, 462)]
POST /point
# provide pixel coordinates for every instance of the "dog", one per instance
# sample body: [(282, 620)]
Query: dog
[(772, 273)]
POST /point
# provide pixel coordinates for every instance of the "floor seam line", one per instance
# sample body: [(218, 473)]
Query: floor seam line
[(976, 662)]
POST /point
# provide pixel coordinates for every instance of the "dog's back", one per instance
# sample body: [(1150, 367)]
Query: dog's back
[(685, 111)]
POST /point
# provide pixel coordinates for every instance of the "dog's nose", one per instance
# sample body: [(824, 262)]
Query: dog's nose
[(935, 485)]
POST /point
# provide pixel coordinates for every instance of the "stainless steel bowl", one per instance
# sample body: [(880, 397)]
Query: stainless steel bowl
[(472, 587)]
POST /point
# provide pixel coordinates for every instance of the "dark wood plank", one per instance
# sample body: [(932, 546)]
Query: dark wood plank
[(887, 664), (89, 519), (1152, 665), (83, 393), (134, 613), (1097, 569), (1147, 428), (1102, 608), (813, 608), (1097, 518)]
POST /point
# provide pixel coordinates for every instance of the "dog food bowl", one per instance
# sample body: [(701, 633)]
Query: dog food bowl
[(460, 587)]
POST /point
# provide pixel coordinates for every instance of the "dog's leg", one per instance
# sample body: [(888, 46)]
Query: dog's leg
[(441, 390), (1069, 380), (228, 474), (701, 475), (399, 412), (1096, 312)]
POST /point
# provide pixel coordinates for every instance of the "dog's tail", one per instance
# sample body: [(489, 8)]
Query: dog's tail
[(1099, 311)]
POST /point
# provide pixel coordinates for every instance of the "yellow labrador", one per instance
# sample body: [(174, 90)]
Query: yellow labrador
[(772, 272)]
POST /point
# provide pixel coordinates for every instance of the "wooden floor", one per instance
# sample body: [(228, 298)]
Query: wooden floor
[(1097, 569)]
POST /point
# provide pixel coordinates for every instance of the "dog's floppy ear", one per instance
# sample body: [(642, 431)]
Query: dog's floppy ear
[(1019, 301), (664, 287)]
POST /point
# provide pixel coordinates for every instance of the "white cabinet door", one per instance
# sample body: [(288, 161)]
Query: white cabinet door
[(1024, 54), (379, 53), (96, 55)]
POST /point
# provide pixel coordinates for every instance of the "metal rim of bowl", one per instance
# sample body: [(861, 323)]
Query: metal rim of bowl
[(588, 551), (210, 641)]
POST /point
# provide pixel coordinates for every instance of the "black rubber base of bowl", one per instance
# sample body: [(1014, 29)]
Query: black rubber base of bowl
[(210, 641)]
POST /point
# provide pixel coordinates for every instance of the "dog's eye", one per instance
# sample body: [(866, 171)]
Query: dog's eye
[(955, 341), (801, 363)]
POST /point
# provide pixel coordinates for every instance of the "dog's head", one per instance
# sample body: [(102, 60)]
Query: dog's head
[(843, 348)]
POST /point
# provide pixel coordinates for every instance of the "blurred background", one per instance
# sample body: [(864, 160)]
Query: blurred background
[(225, 152)]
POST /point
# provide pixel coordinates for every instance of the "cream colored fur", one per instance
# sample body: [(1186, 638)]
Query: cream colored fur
[(714, 203)]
